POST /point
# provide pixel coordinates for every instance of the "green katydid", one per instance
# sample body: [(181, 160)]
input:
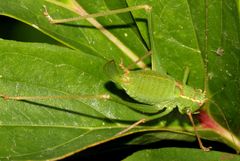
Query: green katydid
[(158, 91)]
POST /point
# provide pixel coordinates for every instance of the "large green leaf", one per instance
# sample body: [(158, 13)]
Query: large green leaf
[(186, 33), (88, 39), (52, 128), (204, 36), (43, 129)]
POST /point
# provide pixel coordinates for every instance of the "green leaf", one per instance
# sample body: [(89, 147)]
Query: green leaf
[(186, 33), (88, 39), (180, 154), (204, 36), (52, 128), (41, 129)]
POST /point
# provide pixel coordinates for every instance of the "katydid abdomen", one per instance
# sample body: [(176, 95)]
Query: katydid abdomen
[(147, 86)]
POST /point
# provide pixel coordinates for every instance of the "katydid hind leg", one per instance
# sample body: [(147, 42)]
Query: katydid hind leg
[(130, 66), (20, 98), (131, 126), (149, 53), (147, 8), (144, 120)]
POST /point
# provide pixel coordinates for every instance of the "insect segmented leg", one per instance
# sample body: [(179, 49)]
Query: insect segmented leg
[(132, 126), (125, 69), (109, 35), (20, 98), (147, 8), (149, 53), (185, 78), (46, 14), (197, 135), (165, 112)]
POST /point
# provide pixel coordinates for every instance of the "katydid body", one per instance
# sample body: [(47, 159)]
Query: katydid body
[(157, 89)]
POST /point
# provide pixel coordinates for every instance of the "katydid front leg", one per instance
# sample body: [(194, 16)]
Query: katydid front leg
[(197, 135)]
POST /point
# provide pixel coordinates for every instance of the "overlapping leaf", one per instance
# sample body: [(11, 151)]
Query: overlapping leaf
[(186, 33), (200, 35), (37, 128)]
